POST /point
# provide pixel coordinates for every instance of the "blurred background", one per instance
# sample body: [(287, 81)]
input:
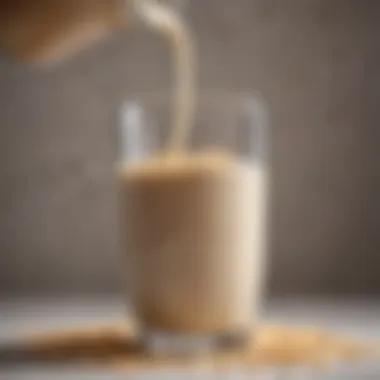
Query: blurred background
[(316, 62)]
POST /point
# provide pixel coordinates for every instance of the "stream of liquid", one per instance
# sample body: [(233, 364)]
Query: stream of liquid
[(165, 20)]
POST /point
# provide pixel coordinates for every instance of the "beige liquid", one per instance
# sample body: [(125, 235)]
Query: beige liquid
[(193, 228), (164, 20)]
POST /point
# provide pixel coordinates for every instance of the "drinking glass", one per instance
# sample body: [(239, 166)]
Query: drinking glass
[(193, 224)]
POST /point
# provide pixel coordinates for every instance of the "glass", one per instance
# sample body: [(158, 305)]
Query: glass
[(194, 225)]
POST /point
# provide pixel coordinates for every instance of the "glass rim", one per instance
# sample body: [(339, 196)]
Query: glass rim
[(250, 104), (203, 97)]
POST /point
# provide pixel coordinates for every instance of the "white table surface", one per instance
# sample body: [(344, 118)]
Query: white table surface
[(358, 318)]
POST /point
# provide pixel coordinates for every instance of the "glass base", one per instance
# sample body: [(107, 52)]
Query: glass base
[(174, 344)]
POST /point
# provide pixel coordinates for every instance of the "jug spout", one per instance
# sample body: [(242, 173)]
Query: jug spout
[(52, 30)]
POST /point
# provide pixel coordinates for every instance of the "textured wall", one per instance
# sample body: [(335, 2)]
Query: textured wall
[(317, 64)]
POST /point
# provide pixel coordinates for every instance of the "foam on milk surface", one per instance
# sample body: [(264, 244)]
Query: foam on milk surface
[(167, 164)]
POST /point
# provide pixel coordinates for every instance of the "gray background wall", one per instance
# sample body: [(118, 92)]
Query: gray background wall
[(316, 63)]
